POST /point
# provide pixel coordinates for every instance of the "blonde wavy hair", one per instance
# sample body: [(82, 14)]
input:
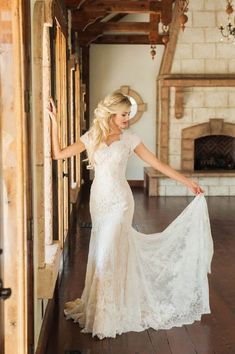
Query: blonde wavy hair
[(100, 129)]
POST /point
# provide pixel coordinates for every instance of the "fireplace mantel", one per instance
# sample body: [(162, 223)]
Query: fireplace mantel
[(179, 82), (198, 80)]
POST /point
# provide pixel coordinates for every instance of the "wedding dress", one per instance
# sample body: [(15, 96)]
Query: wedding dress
[(133, 280)]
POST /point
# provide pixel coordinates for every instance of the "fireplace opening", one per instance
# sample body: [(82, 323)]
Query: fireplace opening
[(214, 152)]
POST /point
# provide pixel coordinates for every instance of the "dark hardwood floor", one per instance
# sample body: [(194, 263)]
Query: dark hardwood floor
[(215, 334)]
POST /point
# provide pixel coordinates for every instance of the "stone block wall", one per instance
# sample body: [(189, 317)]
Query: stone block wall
[(212, 186), (200, 105), (199, 50)]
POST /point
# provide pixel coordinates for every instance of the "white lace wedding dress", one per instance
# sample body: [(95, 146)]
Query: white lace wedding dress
[(135, 281)]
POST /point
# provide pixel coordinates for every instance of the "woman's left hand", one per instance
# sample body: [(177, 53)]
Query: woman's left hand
[(195, 188)]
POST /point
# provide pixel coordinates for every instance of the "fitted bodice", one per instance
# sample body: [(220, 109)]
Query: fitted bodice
[(110, 189), (111, 160)]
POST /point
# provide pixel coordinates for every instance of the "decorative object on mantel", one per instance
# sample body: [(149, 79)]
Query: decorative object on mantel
[(183, 8), (228, 31)]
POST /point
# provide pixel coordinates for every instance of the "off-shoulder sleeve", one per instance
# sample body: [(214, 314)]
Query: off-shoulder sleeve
[(85, 139), (134, 140)]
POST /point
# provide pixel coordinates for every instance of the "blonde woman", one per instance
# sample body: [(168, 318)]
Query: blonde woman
[(135, 281)]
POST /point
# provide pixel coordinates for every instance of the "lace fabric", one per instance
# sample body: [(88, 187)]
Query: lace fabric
[(133, 280)]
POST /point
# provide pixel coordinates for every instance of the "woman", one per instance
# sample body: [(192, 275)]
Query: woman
[(135, 281)]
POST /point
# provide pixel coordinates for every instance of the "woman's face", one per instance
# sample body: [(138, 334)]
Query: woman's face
[(121, 119)]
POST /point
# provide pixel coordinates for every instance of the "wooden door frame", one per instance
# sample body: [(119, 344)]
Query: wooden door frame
[(26, 30), (17, 181)]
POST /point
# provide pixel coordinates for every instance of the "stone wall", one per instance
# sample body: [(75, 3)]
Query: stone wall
[(212, 186), (199, 50), (200, 105)]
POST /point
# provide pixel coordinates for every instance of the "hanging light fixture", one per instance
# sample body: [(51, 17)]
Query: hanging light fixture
[(157, 28), (153, 50), (228, 31), (153, 34)]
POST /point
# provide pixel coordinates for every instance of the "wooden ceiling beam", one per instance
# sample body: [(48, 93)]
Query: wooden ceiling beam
[(166, 13), (124, 6), (117, 39), (102, 27), (80, 23), (74, 4), (117, 17), (154, 20), (86, 17)]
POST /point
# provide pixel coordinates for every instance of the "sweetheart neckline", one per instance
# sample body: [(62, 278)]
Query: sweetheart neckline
[(114, 141)]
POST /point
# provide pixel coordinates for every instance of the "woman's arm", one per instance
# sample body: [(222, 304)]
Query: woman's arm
[(147, 156), (57, 152)]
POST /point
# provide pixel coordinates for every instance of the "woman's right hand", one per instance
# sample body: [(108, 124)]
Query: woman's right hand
[(51, 110)]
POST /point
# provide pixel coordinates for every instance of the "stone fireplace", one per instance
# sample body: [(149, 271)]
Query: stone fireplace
[(190, 141), (208, 146)]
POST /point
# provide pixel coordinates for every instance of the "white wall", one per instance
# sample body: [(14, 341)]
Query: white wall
[(112, 66)]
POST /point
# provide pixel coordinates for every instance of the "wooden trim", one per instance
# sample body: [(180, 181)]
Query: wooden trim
[(158, 115), (154, 20), (26, 36), (169, 52), (86, 81), (143, 27), (74, 3), (48, 318), (163, 102), (199, 80), (38, 16), (136, 183), (164, 125), (85, 54), (14, 175), (166, 13), (118, 39), (124, 6), (47, 325), (179, 102)]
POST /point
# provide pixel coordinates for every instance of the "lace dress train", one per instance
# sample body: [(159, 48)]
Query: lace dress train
[(133, 280)]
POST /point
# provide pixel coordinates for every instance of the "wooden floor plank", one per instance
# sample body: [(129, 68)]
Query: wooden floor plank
[(180, 342), (159, 341), (200, 335), (214, 334)]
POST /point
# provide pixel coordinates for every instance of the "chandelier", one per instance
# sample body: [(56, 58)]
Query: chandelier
[(228, 31)]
